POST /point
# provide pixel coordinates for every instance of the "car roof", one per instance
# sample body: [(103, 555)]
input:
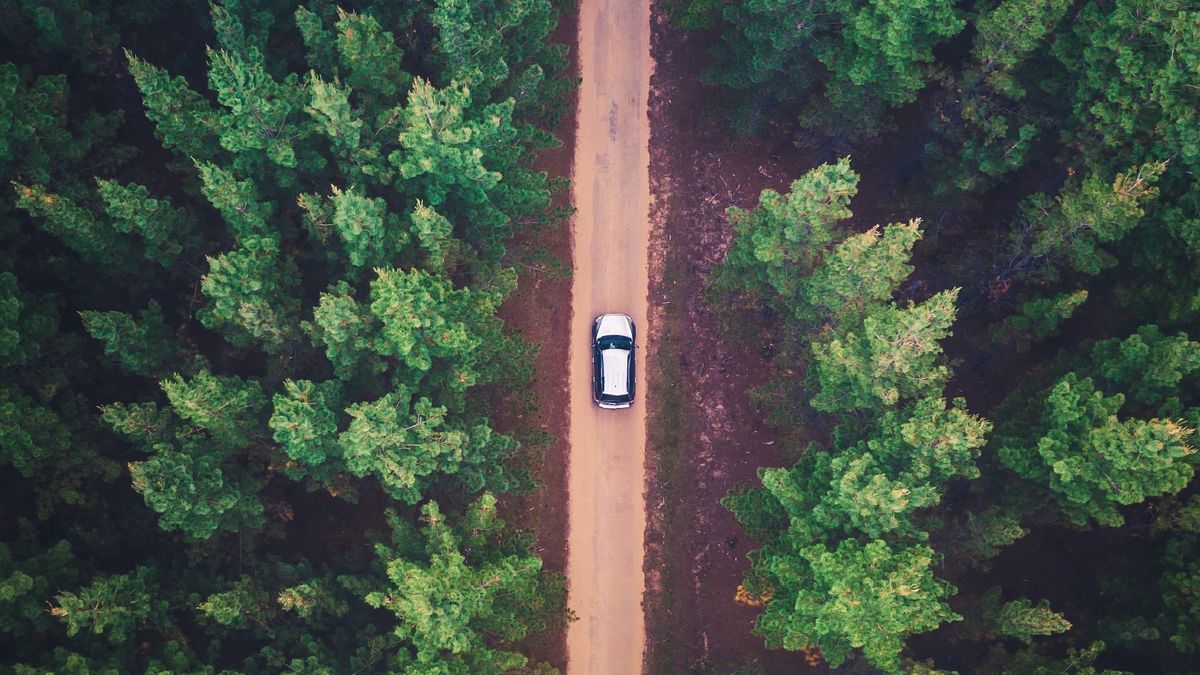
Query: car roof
[(614, 324), (616, 371)]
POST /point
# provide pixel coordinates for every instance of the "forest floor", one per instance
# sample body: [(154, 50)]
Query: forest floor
[(606, 483), (705, 435)]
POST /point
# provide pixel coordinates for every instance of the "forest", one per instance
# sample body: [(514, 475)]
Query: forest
[(249, 350), (251, 361), (1007, 369)]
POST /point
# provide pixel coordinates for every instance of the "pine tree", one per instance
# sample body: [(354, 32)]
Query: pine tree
[(892, 359), (192, 491), (1037, 661), (861, 272), (423, 317), (371, 60), (1148, 367), (259, 112), (244, 605), (230, 409), (348, 331), (860, 57), (1037, 319), (1091, 461), (482, 44), (401, 442), (39, 142), (1007, 35), (27, 321), (880, 57), (877, 486), (38, 444), (990, 123), (1129, 63), (250, 293), (112, 605), (93, 238), (450, 596), (247, 217), (145, 346), (305, 420), (183, 120), (860, 502), (444, 150), (1021, 619), (1180, 588), (370, 234), (1070, 230), (313, 599), (166, 232), (330, 107), (292, 173), (27, 579), (984, 534), (780, 240), (856, 596), (434, 233)]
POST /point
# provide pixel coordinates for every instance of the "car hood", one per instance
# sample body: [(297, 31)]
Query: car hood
[(614, 324)]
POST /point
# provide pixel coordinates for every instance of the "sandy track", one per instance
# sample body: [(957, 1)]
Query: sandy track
[(611, 239)]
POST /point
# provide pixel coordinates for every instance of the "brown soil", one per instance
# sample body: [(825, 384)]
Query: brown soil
[(540, 311)]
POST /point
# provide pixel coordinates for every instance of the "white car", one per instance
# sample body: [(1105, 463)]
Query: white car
[(613, 344)]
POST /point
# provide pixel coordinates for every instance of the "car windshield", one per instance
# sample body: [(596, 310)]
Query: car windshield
[(614, 342)]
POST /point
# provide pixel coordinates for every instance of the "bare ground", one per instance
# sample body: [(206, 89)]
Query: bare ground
[(705, 437)]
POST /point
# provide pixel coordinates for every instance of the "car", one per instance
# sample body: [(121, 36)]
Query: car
[(613, 345)]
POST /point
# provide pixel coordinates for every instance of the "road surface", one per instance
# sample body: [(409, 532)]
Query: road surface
[(611, 240)]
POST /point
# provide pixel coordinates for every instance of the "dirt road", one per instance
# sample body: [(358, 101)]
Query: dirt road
[(607, 479)]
